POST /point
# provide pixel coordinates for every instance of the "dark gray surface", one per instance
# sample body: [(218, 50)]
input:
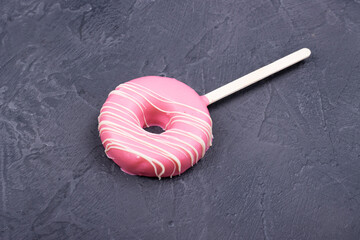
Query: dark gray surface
[(285, 162)]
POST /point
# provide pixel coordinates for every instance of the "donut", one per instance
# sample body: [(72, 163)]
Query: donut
[(155, 101)]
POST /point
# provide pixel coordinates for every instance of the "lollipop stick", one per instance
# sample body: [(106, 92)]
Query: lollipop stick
[(257, 75)]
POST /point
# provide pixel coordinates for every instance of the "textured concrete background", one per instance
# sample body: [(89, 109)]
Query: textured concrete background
[(285, 163)]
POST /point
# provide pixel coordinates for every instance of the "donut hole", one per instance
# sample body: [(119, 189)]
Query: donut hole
[(154, 129), (156, 120)]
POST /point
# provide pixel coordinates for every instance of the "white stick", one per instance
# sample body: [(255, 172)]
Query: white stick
[(257, 75)]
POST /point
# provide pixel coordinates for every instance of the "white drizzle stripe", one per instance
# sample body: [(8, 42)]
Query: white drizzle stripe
[(182, 149), (149, 159), (154, 137), (140, 132), (166, 99), (117, 118), (187, 116), (118, 110), (180, 113), (134, 100), (132, 137), (159, 139), (189, 123), (127, 95), (193, 136), (170, 159), (196, 152), (201, 128), (123, 143), (118, 105)]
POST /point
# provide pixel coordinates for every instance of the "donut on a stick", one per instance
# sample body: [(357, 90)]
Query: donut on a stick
[(177, 109)]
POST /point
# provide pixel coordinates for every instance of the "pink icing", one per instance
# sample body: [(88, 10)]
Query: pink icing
[(163, 102)]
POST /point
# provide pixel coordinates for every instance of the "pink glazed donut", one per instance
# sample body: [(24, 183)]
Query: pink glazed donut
[(155, 101)]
